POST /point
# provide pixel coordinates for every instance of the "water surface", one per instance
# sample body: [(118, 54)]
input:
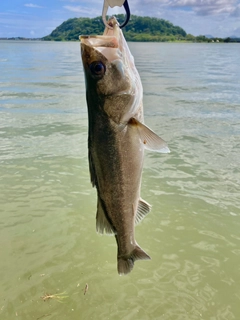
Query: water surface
[(47, 205)]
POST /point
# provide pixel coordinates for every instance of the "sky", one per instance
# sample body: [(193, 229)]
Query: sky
[(22, 18)]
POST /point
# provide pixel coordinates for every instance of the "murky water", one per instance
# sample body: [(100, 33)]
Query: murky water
[(47, 205)]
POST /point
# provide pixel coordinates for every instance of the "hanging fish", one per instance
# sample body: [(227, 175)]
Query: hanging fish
[(117, 139)]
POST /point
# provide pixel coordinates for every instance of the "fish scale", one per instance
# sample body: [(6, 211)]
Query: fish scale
[(117, 139)]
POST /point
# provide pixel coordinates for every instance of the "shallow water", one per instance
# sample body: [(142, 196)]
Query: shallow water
[(47, 205)]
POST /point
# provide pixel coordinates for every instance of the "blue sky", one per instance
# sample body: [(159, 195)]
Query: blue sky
[(38, 18)]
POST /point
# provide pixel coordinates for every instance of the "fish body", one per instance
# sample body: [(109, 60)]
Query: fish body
[(117, 138)]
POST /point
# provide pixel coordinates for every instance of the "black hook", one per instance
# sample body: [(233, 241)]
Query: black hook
[(128, 14), (113, 3)]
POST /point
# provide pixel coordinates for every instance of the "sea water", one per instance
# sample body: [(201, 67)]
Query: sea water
[(49, 249)]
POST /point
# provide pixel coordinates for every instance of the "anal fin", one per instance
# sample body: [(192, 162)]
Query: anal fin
[(92, 169), (102, 223)]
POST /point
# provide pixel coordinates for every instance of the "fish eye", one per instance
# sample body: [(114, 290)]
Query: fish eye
[(97, 69)]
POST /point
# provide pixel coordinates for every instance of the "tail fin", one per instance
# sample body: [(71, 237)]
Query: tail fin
[(126, 263)]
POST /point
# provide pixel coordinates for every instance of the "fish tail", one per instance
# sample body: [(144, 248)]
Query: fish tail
[(126, 263)]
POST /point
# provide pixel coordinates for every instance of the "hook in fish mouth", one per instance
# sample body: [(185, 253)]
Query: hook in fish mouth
[(110, 37), (109, 44), (126, 7), (104, 13), (112, 22)]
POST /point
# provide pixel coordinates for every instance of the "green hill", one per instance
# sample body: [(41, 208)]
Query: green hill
[(138, 29)]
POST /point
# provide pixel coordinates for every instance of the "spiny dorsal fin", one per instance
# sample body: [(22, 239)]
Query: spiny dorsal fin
[(149, 138), (102, 224), (142, 210)]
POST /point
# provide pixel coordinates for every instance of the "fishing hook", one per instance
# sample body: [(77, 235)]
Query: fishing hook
[(113, 3)]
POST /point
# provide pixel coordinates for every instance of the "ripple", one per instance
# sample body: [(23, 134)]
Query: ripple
[(48, 206)]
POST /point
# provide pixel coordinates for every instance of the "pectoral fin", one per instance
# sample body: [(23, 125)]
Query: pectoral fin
[(149, 138)]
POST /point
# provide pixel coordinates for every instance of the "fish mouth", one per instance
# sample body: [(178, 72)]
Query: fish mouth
[(107, 44)]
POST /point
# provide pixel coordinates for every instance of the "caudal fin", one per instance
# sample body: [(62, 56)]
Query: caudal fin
[(126, 263)]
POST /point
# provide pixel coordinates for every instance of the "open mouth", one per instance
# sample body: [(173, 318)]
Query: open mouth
[(108, 43), (100, 41)]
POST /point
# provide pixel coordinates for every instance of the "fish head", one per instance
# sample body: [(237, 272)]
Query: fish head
[(110, 73)]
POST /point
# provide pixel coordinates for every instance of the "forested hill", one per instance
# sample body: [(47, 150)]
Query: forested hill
[(138, 29)]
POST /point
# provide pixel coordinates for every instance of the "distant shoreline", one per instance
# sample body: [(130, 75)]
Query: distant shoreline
[(138, 29), (22, 39), (175, 41)]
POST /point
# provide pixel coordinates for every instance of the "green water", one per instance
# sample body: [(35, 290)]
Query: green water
[(47, 205)]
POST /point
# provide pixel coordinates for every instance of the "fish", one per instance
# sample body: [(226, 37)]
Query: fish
[(117, 137)]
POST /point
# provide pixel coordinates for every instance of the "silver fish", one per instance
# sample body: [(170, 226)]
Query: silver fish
[(117, 139)]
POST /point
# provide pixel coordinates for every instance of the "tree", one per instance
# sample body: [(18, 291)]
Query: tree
[(138, 29)]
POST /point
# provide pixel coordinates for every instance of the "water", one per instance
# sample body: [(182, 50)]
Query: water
[(47, 205)]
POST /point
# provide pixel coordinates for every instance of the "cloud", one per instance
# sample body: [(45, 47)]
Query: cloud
[(216, 17), (206, 7), (86, 2), (83, 11), (77, 9), (22, 24), (236, 12), (32, 5), (199, 7)]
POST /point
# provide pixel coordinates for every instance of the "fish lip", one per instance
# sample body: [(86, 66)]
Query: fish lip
[(112, 22), (109, 39), (96, 41)]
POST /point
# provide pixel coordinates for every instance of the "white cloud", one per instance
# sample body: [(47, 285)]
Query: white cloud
[(206, 7), (236, 12), (85, 3), (21, 25), (199, 7), (81, 10), (32, 5), (215, 17), (90, 12), (75, 9)]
